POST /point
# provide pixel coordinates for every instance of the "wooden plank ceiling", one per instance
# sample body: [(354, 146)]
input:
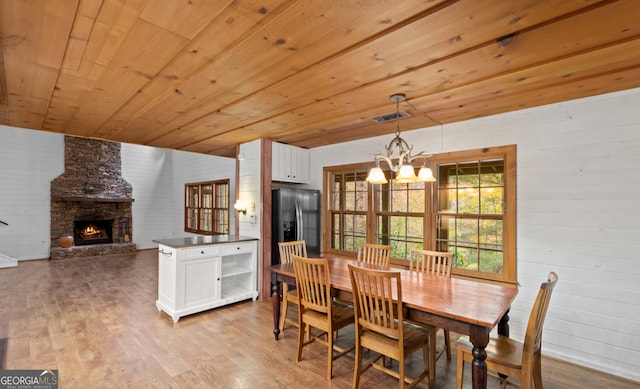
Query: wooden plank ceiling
[(203, 76)]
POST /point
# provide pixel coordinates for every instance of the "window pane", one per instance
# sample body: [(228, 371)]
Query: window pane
[(362, 190), (491, 234), (399, 201), (349, 243), (207, 196), (447, 201), (492, 174), (415, 228), (468, 175), (466, 258), (360, 226), (491, 261), (348, 224), (467, 231), (491, 201), (447, 177), (205, 220), (192, 218), (349, 201), (416, 200), (336, 192), (398, 248), (446, 228), (192, 196), (222, 196), (468, 201)]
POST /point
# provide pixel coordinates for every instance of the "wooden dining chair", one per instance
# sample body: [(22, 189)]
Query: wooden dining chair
[(439, 264), (317, 308), (380, 325), (375, 254), (510, 358), (289, 295)]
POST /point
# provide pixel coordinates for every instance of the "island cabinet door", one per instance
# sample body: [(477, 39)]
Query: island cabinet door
[(200, 281)]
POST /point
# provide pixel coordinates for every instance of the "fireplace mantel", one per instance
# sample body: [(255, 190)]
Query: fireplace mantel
[(80, 199)]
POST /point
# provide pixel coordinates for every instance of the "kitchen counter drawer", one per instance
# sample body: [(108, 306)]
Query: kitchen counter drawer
[(202, 252)]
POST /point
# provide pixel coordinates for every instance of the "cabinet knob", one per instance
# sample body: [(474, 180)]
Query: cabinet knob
[(202, 252)]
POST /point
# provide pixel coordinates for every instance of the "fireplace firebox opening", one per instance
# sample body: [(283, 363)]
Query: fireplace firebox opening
[(88, 232)]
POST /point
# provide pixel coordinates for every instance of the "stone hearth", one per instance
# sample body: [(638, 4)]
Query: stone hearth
[(91, 188)]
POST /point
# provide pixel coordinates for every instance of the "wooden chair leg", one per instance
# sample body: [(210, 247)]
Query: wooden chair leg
[(283, 307), (425, 359), (432, 356), (537, 370), (447, 344), (300, 341), (357, 370), (401, 371), (459, 369), (330, 354)]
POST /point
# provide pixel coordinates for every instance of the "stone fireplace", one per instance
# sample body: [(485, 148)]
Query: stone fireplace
[(91, 201)]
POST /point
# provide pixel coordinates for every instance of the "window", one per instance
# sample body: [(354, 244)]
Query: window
[(348, 210), (474, 216), (206, 209), (469, 211)]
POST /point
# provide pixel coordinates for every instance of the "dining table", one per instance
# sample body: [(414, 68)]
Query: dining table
[(460, 305)]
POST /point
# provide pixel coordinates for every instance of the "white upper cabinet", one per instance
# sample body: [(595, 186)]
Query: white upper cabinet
[(289, 163)]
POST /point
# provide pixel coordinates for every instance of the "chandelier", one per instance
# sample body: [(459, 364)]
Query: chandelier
[(404, 171)]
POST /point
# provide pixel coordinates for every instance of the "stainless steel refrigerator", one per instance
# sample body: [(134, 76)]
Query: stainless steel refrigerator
[(296, 216)]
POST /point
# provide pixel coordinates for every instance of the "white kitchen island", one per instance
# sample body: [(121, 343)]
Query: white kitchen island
[(204, 272)]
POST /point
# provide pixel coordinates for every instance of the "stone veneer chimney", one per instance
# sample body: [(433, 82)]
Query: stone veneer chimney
[(91, 187)]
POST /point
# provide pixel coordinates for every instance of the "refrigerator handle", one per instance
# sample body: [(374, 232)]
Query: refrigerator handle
[(299, 223)]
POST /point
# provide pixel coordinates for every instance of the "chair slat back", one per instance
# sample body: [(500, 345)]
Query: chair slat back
[(375, 254), (377, 299), (533, 336), (288, 249), (313, 283), (433, 262)]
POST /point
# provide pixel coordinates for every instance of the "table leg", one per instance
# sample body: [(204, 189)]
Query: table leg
[(480, 338), (503, 325), (503, 329), (275, 296)]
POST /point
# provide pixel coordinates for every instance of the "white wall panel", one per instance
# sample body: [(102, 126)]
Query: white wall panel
[(578, 189), (148, 170), (29, 160), (249, 189)]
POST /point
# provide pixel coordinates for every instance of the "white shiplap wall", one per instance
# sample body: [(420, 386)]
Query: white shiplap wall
[(249, 188), (29, 160), (149, 171), (578, 189)]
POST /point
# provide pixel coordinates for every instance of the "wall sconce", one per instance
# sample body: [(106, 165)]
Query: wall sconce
[(240, 206)]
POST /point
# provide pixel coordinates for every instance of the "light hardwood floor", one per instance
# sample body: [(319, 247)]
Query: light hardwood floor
[(95, 321)]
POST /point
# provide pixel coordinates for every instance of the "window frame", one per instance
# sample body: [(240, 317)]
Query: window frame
[(508, 155), (219, 206), (505, 153), (358, 168)]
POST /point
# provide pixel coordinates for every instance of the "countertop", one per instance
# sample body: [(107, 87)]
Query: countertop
[(201, 240)]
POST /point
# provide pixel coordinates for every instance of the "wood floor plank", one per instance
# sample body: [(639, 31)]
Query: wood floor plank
[(95, 321)]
